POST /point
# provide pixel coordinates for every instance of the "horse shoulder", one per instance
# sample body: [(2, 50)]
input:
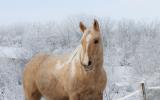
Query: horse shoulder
[(33, 65), (49, 76)]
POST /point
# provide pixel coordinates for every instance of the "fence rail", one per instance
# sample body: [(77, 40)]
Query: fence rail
[(141, 91), (130, 95), (154, 88)]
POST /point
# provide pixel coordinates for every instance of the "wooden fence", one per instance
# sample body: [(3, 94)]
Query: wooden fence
[(144, 93)]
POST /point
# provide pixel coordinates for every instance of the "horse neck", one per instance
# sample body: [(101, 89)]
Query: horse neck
[(99, 58)]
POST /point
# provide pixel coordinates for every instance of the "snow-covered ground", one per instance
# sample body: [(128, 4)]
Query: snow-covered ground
[(131, 49), (10, 79)]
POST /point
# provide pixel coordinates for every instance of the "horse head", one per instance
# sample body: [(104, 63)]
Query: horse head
[(92, 47)]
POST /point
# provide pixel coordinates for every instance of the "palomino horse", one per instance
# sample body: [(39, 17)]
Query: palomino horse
[(79, 76)]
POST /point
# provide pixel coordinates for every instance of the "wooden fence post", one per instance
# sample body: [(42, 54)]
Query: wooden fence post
[(143, 91)]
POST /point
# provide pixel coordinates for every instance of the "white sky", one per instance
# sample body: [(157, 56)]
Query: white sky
[(13, 11)]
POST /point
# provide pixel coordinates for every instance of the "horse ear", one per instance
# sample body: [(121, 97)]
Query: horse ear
[(82, 27), (96, 25)]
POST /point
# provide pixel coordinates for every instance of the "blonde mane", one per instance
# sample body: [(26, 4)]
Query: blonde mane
[(75, 52)]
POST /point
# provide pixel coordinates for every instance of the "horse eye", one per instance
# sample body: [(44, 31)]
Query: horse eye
[(96, 41)]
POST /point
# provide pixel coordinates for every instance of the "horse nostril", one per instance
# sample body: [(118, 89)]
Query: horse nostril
[(89, 63)]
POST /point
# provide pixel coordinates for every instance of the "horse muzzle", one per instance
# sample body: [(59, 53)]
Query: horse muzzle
[(88, 66)]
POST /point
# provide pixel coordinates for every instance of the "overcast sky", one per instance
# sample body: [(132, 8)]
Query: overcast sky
[(13, 11)]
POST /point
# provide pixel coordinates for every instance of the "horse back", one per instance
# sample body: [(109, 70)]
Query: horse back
[(35, 62)]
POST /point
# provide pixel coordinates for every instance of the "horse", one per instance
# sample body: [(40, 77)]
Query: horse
[(76, 76)]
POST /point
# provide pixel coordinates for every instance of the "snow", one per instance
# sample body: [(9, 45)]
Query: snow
[(153, 94), (131, 53), (14, 52), (10, 79)]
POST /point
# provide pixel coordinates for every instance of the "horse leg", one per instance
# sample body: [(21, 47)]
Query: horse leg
[(74, 97), (99, 96), (66, 98), (34, 96)]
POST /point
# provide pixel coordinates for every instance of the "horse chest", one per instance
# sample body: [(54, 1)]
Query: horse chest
[(83, 83), (94, 82)]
